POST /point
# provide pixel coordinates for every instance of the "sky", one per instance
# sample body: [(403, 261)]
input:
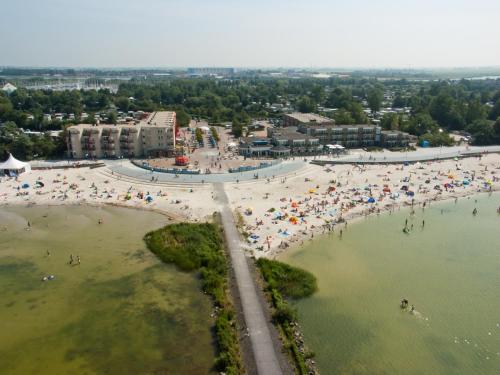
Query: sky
[(250, 33)]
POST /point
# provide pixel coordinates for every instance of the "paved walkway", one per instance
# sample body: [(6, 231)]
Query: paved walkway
[(421, 154), (265, 356), (126, 168)]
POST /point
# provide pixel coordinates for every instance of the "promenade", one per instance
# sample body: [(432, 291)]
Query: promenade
[(420, 155), (265, 355)]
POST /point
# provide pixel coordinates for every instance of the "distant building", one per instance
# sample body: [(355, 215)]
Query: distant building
[(311, 134), (395, 138), (154, 136), (210, 71), (298, 118), (366, 135), (9, 88)]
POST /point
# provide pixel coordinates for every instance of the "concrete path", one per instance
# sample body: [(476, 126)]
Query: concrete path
[(125, 167), (265, 356), (421, 154)]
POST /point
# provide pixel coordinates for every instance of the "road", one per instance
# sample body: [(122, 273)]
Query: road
[(265, 355)]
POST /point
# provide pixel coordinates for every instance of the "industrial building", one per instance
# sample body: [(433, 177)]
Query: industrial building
[(153, 136)]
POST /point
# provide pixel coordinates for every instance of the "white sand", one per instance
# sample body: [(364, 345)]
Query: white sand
[(316, 209), (352, 190), (75, 186)]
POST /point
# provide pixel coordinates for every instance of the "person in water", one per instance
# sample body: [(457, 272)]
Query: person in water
[(412, 308), (474, 212)]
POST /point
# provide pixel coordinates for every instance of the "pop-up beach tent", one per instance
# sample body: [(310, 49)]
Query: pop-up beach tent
[(12, 166)]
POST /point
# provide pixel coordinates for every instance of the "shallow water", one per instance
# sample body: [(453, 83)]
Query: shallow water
[(450, 271), (120, 311)]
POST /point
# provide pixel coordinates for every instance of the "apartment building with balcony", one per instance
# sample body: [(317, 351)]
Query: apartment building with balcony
[(346, 135), (395, 138), (154, 136)]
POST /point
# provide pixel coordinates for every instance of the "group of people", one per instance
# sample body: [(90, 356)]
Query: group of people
[(74, 261), (404, 305)]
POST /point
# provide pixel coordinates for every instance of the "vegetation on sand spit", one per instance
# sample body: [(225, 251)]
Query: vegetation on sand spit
[(198, 247), (284, 281)]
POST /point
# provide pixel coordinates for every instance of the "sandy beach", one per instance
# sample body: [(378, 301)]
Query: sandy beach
[(288, 211), (99, 187), (276, 213)]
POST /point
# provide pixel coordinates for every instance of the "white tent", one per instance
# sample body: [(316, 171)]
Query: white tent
[(12, 165)]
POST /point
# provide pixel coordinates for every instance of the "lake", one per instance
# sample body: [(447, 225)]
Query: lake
[(120, 311), (449, 269)]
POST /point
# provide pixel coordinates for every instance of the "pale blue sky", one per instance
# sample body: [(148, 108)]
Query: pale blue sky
[(253, 33)]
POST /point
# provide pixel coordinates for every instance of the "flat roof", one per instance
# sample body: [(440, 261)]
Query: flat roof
[(309, 117), (160, 119)]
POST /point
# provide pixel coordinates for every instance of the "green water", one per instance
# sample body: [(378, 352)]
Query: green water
[(450, 271), (120, 311)]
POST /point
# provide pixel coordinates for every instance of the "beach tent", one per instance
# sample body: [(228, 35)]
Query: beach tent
[(12, 166), (371, 200)]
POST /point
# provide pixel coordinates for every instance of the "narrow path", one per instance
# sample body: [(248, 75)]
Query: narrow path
[(266, 359)]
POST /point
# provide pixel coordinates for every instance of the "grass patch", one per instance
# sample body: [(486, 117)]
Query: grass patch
[(282, 282), (199, 247), (291, 282)]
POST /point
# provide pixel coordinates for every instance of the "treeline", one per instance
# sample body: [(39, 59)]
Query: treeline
[(435, 108), (25, 147)]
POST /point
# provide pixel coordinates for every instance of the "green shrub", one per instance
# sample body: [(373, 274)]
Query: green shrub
[(290, 281), (198, 247)]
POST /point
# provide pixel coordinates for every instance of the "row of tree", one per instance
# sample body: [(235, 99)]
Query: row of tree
[(434, 107)]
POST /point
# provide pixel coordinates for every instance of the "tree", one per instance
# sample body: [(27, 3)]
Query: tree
[(306, 104), (422, 123), (439, 138), (237, 128), (374, 98), (112, 117), (390, 121), (496, 129), (444, 110), (398, 101), (475, 111), (343, 117), (495, 111), (482, 131)]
